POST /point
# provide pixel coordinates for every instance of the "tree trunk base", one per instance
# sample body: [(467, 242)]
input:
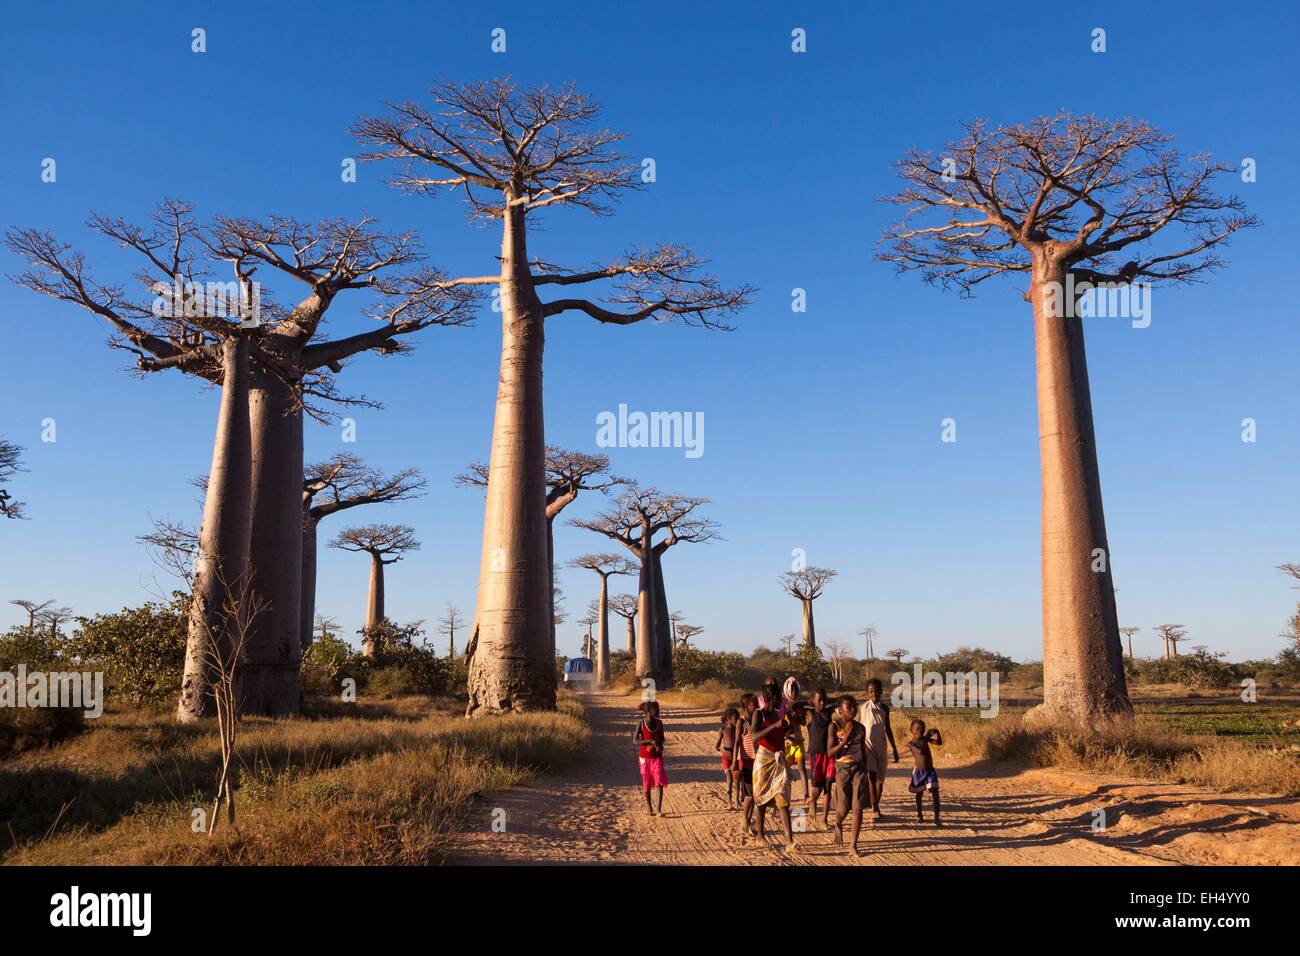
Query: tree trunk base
[(1106, 714), (269, 690)]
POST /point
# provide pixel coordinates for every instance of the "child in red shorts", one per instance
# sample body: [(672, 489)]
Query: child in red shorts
[(726, 744), (649, 737)]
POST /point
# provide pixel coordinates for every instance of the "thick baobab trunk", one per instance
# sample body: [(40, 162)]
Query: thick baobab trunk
[(602, 638), (647, 656), (307, 620), (274, 651), (809, 632), (631, 635), (374, 604), (224, 537), (1083, 667), (512, 663), (663, 627), (550, 576)]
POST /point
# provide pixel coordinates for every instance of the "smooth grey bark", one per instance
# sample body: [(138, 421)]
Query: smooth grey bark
[(663, 625), (374, 603), (511, 659), (647, 644), (1083, 666), (222, 558), (809, 632), (307, 619), (602, 640), (631, 635), (274, 651)]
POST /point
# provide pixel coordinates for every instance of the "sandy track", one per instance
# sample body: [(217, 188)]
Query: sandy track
[(593, 812)]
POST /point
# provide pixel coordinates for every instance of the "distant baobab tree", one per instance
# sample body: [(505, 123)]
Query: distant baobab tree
[(633, 520), (1056, 200), (1171, 634), (54, 618), (897, 654), (604, 565), (515, 153), (11, 457), (588, 642), (271, 364), (806, 586), (326, 628), (1128, 633), (787, 641), (688, 632), (337, 484), (34, 610), (624, 605), (868, 634), (386, 544), (568, 473), (449, 624)]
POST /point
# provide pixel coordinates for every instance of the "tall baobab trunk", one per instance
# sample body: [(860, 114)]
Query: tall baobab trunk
[(224, 535), (550, 577), (647, 643), (512, 665), (274, 650), (809, 633), (1083, 667), (631, 635), (307, 619), (663, 626), (374, 604), (602, 639)]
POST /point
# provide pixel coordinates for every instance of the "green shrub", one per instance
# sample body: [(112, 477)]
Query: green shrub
[(325, 665), (29, 728), (694, 665), (140, 650), (1200, 670), (403, 663)]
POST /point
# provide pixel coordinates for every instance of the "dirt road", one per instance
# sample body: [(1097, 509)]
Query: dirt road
[(594, 813)]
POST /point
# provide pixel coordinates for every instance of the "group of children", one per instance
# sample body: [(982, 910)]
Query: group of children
[(773, 733)]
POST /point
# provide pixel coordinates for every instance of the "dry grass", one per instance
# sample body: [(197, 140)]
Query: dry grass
[(387, 786)]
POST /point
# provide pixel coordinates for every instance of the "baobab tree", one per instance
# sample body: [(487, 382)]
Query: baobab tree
[(339, 484), (836, 655), (270, 362), (604, 565), (624, 605), (568, 473), (54, 618), (11, 457), (1128, 633), (688, 632), (34, 610), (588, 642), (1057, 200), (386, 544), (515, 153), (633, 520), (787, 641), (868, 634), (897, 654), (451, 622), (806, 586), (1171, 634)]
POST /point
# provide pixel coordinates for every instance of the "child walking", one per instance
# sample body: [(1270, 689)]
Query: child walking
[(820, 716), (649, 737), (923, 774), (846, 746), (726, 744), (874, 717)]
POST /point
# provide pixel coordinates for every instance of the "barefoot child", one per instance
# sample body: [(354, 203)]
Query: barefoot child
[(874, 716), (649, 737), (820, 715), (846, 747), (923, 775), (743, 758), (771, 772), (726, 744), (794, 745)]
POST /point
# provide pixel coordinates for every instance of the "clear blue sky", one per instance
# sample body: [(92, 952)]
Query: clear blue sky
[(822, 429)]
